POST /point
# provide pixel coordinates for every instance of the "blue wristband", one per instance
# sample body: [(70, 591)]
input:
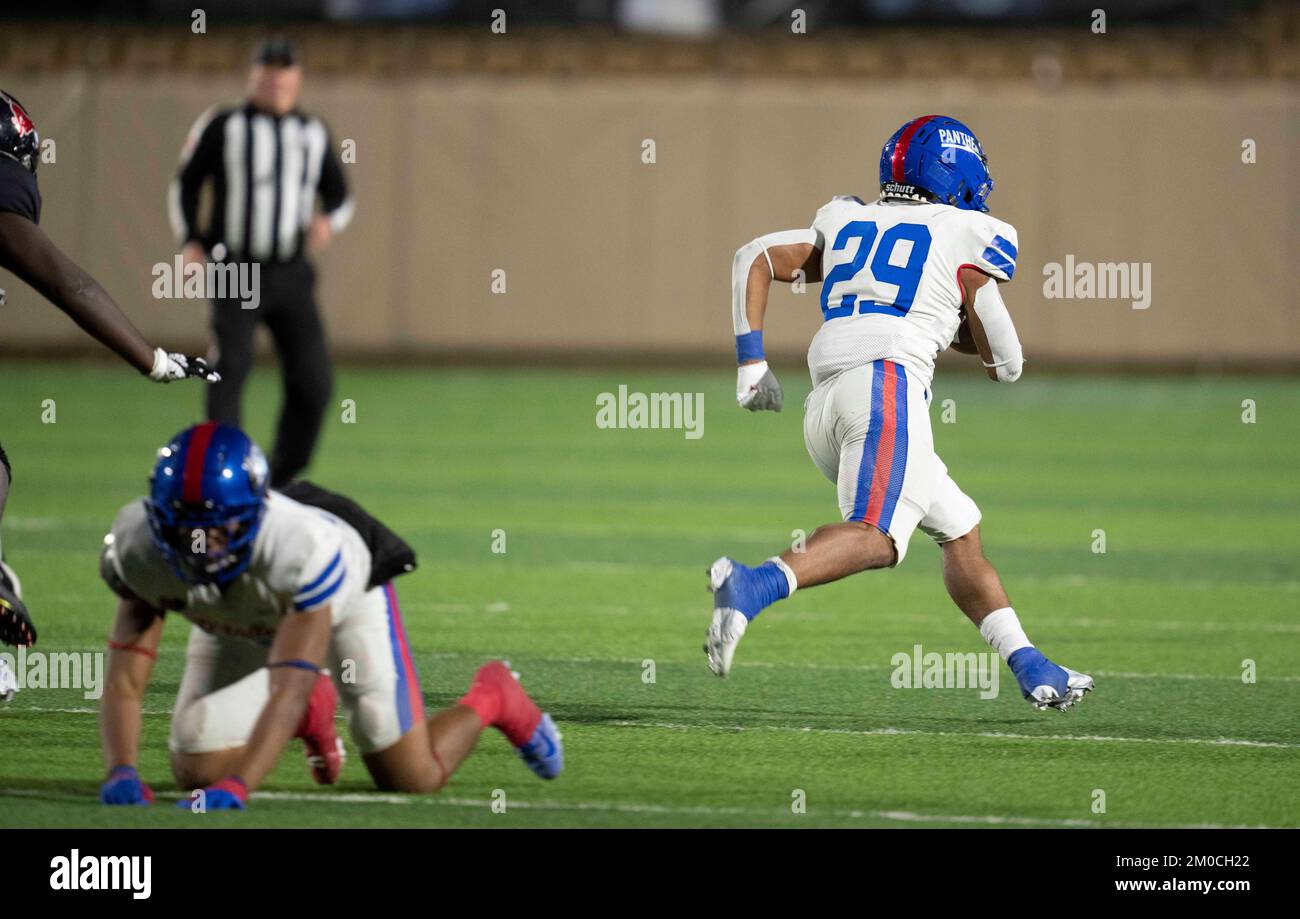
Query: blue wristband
[(749, 347), (297, 664)]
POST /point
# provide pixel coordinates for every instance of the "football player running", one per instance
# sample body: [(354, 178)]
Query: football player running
[(290, 608), (31, 255), (903, 277)]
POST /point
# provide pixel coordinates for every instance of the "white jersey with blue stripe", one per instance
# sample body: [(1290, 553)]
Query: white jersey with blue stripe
[(889, 280), (303, 559)]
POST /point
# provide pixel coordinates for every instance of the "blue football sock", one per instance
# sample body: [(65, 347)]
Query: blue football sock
[(769, 585)]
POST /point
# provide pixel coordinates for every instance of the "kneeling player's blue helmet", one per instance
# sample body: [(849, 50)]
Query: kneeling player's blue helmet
[(936, 158), (210, 479)]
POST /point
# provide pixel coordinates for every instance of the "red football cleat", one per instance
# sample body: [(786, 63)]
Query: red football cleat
[(517, 715), (324, 747)]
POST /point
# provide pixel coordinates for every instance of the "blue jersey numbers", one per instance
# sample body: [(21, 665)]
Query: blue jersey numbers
[(905, 277)]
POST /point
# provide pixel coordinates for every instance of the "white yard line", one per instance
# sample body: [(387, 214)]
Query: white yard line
[(994, 735), (698, 810), (865, 732), (1234, 677), (879, 668), (855, 668), (1169, 625), (789, 665), (34, 524), (73, 711)]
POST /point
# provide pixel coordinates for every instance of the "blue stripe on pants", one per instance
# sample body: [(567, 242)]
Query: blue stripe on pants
[(867, 468), (405, 715), (899, 467)]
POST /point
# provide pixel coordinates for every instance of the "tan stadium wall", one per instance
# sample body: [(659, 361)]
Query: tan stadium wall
[(458, 175)]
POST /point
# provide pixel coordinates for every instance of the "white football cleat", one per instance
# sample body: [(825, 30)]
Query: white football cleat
[(1046, 684), (728, 625), (1078, 685)]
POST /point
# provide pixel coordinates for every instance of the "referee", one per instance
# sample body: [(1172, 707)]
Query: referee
[(267, 162)]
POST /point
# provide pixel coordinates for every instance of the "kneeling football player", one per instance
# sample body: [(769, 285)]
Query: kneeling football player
[(291, 607)]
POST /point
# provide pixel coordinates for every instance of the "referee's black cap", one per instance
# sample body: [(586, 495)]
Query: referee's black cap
[(276, 51)]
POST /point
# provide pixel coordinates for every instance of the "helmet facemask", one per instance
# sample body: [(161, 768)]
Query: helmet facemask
[(205, 545), (969, 200)]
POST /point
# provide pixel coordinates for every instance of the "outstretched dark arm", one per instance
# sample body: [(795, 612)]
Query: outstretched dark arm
[(32, 256)]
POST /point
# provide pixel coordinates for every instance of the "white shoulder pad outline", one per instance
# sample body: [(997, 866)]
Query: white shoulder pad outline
[(820, 240), (301, 548), (839, 199), (130, 559)]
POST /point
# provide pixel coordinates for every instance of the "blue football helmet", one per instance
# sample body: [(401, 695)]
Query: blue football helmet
[(936, 158), (210, 479)]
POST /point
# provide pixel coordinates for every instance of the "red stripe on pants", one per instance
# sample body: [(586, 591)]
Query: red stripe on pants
[(884, 464)]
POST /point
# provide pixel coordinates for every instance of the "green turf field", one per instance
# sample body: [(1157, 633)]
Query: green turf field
[(608, 533)]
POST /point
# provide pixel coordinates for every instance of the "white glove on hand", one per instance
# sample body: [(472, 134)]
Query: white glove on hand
[(176, 366), (757, 388), (8, 682)]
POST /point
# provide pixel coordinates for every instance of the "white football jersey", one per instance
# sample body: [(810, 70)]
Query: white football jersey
[(303, 558), (889, 280)]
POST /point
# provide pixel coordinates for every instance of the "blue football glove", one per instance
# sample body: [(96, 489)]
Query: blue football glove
[(230, 794), (123, 786)]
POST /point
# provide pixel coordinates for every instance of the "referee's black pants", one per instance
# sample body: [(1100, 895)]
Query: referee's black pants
[(288, 307)]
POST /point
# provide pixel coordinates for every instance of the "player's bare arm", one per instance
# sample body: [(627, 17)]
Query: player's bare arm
[(29, 253), (967, 342), (784, 256), (783, 263), (297, 656), (984, 311), (963, 342), (133, 647)]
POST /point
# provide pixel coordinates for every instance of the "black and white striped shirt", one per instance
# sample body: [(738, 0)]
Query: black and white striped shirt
[(266, 172)]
